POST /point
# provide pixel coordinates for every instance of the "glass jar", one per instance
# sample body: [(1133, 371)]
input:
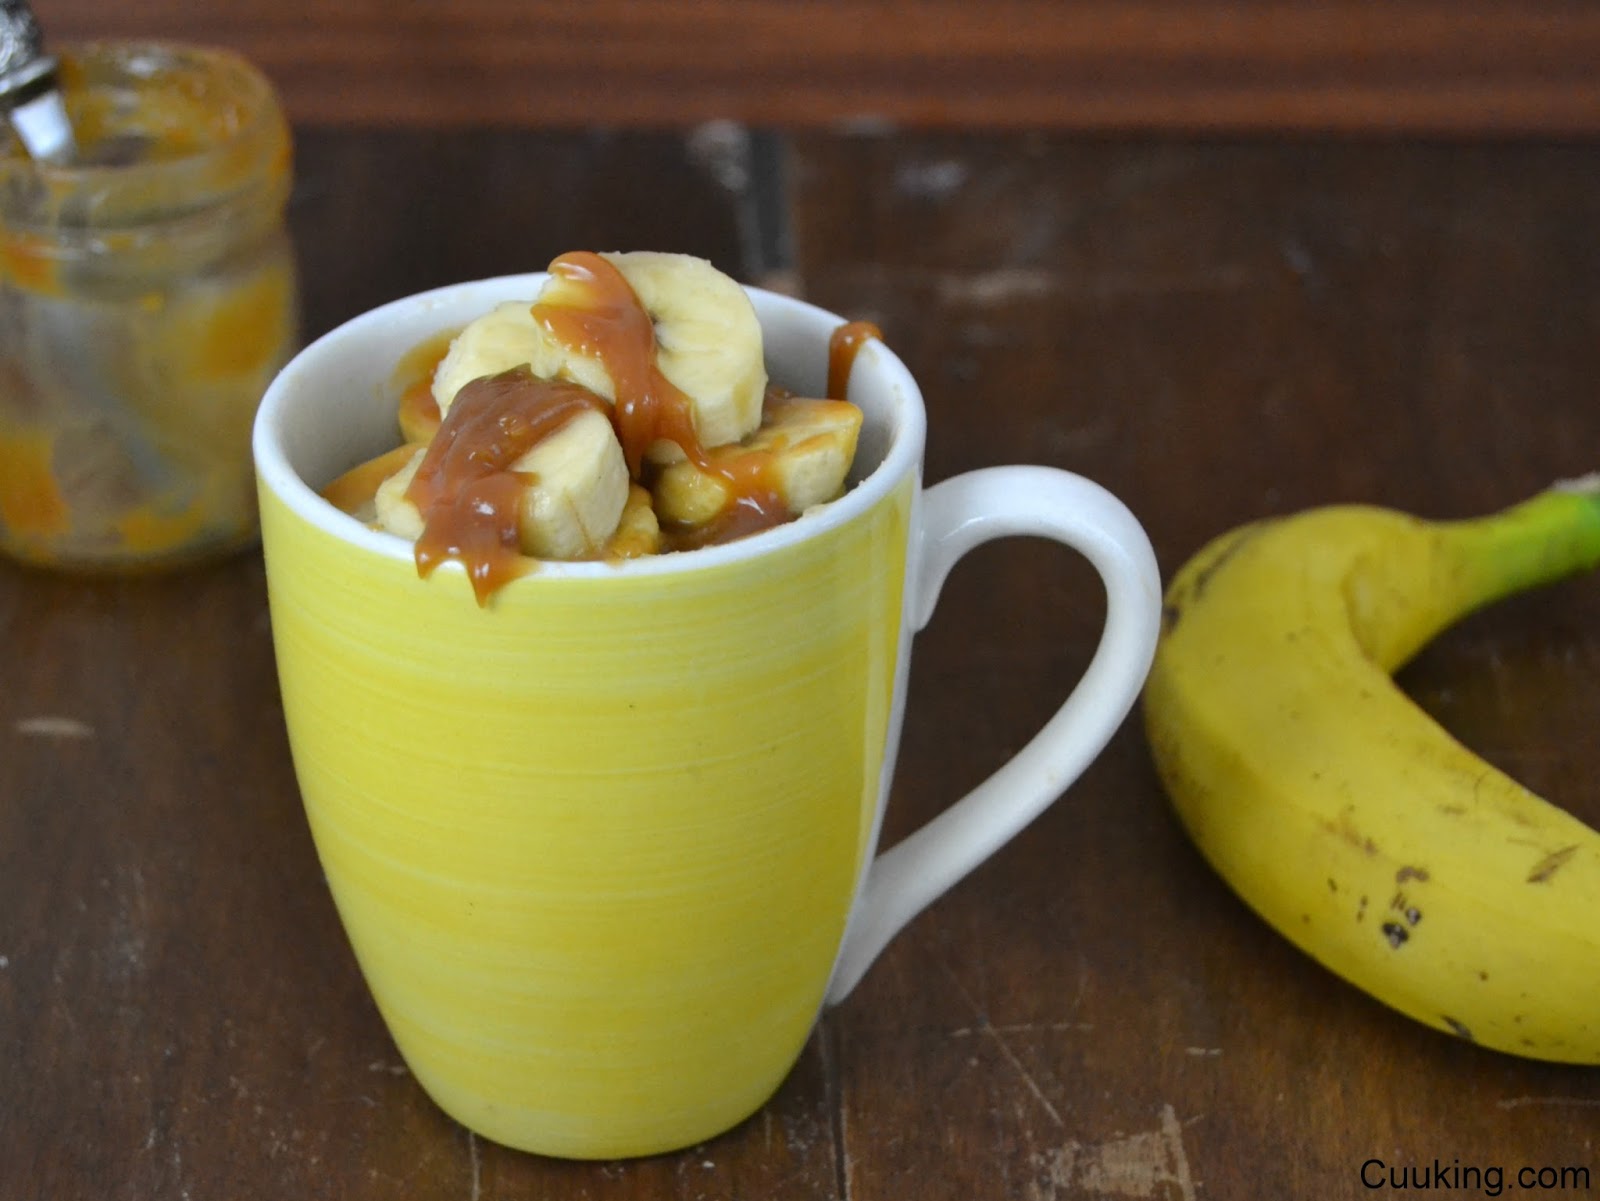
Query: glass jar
[(147, 297)]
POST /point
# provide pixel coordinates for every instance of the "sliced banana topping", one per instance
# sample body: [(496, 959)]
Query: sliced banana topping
[(575, 488), (623, 411), (354, 492), (578, 491), (801, 453), (638, 533), (394, 512), (707, 339), (506, 336)]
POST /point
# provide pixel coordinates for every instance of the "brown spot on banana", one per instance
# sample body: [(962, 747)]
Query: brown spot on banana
[(1194, 588), (1550, 864), (1345, 828), (1403, 906)]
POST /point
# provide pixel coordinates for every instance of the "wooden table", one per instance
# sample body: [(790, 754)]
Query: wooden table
[(1215, 332)]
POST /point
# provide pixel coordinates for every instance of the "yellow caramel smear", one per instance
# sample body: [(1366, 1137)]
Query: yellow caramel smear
[(154, 297)]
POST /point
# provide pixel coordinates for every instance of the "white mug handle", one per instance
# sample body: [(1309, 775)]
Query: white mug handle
[(958, 515)]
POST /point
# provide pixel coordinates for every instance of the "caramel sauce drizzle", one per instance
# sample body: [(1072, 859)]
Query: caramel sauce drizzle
[(466, 487), (753, 504), (610, 324), (419, 411), (353, 491), (843, 346)]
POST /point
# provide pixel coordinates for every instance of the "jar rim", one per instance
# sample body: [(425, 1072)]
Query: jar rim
[(248, 87), (242, 143)]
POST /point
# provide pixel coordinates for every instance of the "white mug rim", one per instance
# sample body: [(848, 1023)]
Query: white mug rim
[(903, 458)]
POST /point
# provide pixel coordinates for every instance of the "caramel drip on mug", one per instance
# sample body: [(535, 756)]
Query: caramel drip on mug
[(466, 487), (843, 346)]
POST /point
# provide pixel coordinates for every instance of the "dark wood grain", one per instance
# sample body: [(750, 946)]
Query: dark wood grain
[(1216, 332), (381, 214), (1418, 65)]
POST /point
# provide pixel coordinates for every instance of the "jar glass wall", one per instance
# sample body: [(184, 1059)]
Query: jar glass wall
[(147, 298)]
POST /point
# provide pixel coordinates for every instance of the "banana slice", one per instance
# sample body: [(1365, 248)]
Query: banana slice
[(391, 508), (506, 336), (577, 487), (355, 492), (638, 533), (707, 338), (801, 453)]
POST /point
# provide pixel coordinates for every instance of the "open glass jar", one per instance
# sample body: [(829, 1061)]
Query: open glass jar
[(147, 298)]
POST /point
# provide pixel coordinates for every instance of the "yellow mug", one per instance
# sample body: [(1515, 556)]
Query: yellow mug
[(606, 848)]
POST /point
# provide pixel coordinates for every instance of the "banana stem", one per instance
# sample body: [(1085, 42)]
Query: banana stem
[(1547, 538)]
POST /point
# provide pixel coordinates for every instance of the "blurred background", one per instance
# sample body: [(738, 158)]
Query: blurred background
[(1480, 66), (591, 116)]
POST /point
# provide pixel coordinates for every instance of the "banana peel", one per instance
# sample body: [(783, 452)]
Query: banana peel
[(1338, 809)]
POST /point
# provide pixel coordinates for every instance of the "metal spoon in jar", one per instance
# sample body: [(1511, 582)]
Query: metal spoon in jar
[(29, 86)]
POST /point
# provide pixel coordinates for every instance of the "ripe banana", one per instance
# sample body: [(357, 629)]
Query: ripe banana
[(1338, 809)]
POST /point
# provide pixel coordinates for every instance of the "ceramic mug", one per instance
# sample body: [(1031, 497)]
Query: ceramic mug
[(606, 848)]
